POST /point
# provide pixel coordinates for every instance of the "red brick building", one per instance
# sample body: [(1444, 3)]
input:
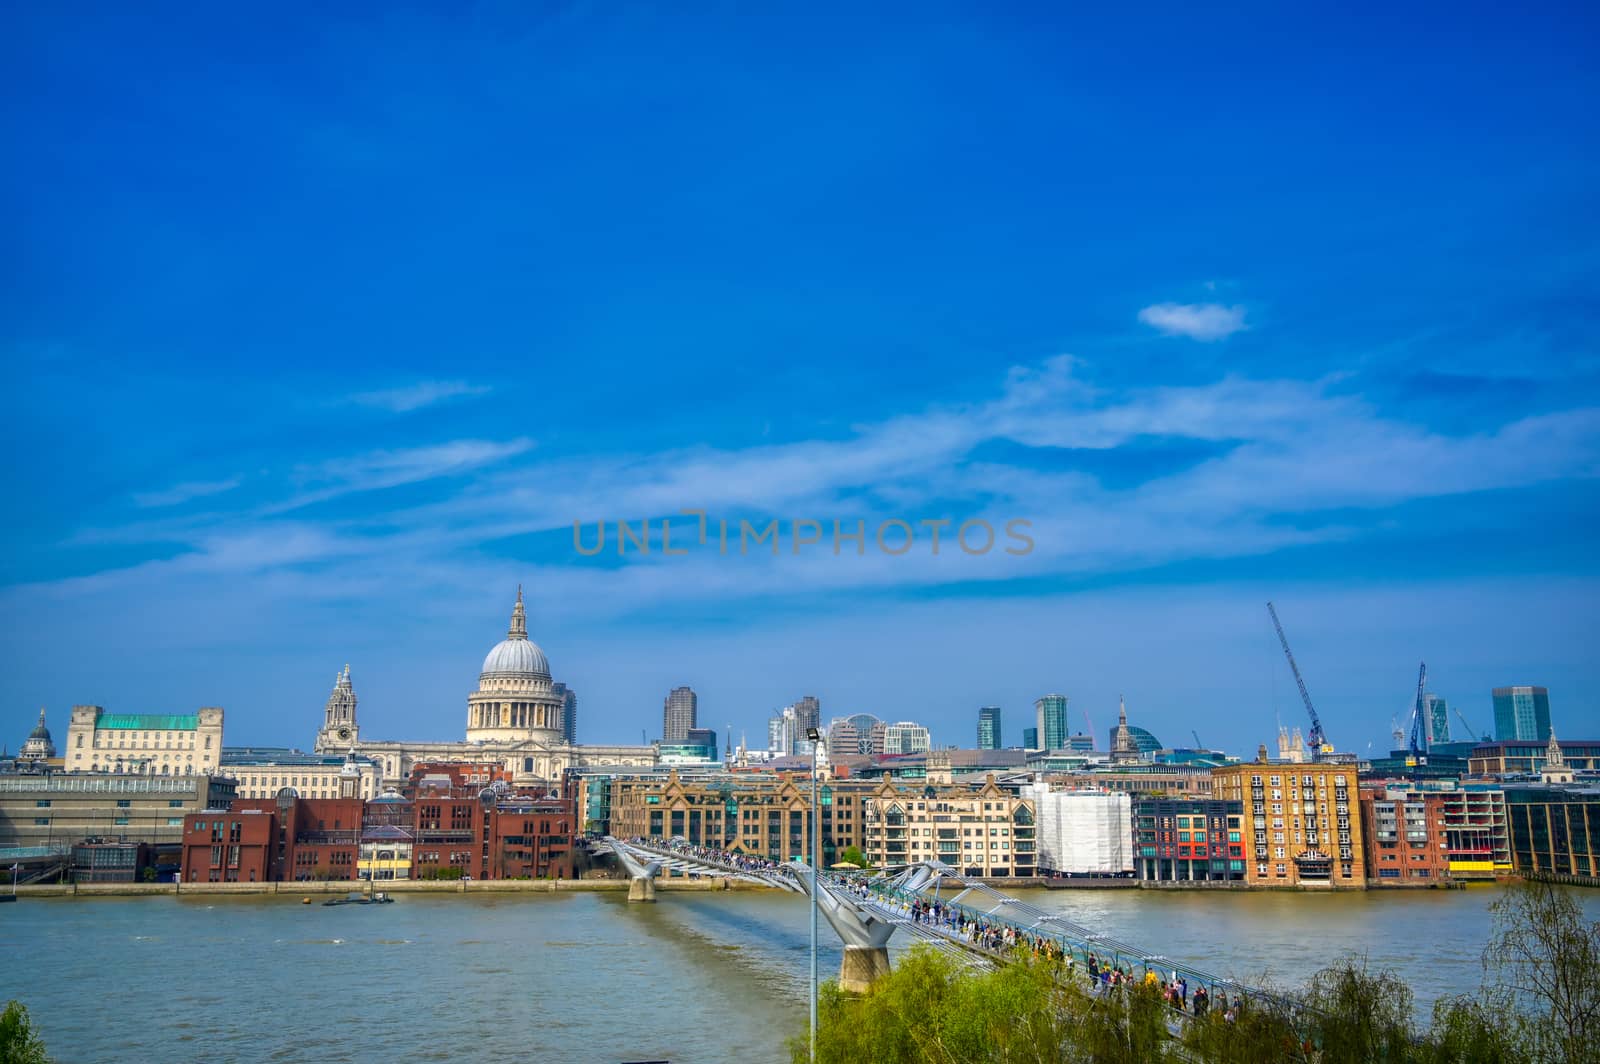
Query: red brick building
[(229, 847), (1404, 832), (462, 777), (260, 840), (511, 837), (263, 840)]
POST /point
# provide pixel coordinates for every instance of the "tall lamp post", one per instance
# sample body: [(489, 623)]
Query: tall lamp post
[(815, 738)]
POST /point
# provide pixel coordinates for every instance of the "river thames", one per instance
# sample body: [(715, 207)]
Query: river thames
[(586, 976)]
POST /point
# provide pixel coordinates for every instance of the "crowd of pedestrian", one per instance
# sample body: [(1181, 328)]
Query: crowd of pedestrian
[(992, 935)]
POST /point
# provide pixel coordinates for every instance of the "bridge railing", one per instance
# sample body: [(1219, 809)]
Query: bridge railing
[(1011, 923)]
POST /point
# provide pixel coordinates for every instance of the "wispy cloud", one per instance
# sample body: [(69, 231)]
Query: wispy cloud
[(376, 470), (416, 396), (182, 493), (1294, 463), (1205, 322)]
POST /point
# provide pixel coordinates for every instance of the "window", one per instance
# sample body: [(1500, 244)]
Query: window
[(42, 803), (121, 820), (41, 821), (123, 803), (174, 821)]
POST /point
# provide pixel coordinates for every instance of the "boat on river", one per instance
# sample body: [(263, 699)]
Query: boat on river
[(357, 898)]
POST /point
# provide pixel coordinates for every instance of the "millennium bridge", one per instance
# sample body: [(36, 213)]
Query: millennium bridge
[(934, 904)]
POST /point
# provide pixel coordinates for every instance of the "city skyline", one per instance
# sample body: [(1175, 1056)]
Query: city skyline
[(345, 358)]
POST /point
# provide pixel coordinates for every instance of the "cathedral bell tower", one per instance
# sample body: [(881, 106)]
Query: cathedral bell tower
[(339, 728)]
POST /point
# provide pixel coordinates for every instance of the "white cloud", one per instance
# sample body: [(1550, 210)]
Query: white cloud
[(181, 493), (1289, 461), (1198, 321), (416, 396)]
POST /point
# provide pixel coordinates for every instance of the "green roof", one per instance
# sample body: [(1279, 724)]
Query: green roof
[(148, 721)]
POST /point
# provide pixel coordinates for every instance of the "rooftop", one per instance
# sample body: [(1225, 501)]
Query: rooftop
[(148, 721)]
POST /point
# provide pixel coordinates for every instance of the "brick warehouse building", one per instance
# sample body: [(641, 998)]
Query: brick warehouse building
[(295, 839), (259, 840)]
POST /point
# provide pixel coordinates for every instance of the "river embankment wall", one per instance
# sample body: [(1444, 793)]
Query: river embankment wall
[(398, 886)]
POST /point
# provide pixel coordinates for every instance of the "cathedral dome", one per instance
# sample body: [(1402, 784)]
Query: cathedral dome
[(41, 732), (517, 655)]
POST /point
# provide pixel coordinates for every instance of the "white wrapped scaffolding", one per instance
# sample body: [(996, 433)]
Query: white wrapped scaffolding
[(1083, 832)]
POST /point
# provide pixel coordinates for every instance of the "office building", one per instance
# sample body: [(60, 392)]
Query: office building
[(1555, 832), (989, 728), (569, 711), (63, 808), (261, 772), (1436, 719), (1030, 739), (906, 737), (1528, 757), (1052, 721), (807, 714), (678, 714), (1522, 713), (861, 734), (760, 814), (148, 744)]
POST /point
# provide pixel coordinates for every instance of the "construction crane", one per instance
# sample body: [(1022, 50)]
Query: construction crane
[(1317, 741), (1472, 733), (1417, 753), (1198, 745), (1397, 731)]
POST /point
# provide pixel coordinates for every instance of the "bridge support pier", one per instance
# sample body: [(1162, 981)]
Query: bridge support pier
[(862, 966), (864, 934), (641, 874)]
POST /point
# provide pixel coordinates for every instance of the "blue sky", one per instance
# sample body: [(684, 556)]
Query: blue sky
[(320, 332)]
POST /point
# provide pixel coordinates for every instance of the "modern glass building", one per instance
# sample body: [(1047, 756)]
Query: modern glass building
[(1052, 713), (1030, 739), (989, 728), (1436, 719), (906, 737), (1147, 743), (1522, 713)]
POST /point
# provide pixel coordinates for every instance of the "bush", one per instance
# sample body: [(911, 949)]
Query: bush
[(18, 1043)]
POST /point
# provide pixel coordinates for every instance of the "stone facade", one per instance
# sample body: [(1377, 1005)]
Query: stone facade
[(515, 717), (147, 744)]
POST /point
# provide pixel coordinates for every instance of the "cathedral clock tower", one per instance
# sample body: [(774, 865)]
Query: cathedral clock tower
[(339, 728)]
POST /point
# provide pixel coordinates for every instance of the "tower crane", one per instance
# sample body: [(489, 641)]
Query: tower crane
[(1417, 754), (1317, 741), (1472, 733)]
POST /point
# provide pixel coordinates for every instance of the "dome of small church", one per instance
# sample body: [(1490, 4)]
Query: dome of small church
[(517, 655)]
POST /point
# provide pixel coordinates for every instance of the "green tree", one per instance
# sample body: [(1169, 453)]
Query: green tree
[(932, 1009), (18, 1043), (853, 854), (1467, 1032), (1543, 968), (1358, 1015)]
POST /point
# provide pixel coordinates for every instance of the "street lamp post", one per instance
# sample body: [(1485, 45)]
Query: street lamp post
[(815, 738)]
